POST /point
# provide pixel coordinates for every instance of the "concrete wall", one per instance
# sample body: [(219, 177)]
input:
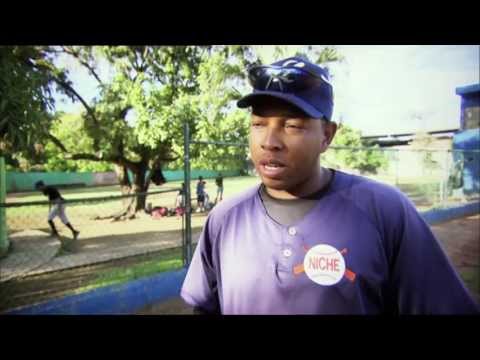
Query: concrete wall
[(25, 181)]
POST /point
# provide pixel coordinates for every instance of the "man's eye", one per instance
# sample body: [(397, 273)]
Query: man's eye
[(293, 126), (257, 125)]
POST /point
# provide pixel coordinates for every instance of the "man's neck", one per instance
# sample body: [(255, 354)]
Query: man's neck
[(314, 184)]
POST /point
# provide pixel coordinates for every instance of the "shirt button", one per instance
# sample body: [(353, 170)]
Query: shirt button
[(287, 252), (292, 231)]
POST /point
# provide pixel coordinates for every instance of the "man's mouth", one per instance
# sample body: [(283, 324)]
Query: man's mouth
[(272, 168), (271, 162)]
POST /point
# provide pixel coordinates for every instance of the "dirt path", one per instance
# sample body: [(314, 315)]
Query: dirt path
[(460, 239)]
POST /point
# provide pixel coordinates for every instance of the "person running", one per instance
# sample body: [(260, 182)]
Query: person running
[(56, 208)]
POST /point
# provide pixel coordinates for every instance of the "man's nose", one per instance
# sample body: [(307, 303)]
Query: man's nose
[(272, 140)]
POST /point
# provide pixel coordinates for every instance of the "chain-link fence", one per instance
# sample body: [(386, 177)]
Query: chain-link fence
[(431, 178), (107, 232)]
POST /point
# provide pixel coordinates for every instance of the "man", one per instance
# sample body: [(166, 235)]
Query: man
[(56, 208), (311, 240), (219, 183), (200, 194)]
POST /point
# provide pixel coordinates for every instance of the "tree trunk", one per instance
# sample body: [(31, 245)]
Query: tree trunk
[(134, 204), (123, 180), (128, 203), (140, 186), (126, 189)]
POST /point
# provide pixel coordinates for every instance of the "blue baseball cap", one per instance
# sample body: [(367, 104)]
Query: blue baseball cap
[(295, 80)]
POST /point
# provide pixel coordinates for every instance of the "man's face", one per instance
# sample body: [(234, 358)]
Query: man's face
[(285, 145)]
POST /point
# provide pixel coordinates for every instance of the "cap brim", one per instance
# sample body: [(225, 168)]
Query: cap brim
[(250, 99)]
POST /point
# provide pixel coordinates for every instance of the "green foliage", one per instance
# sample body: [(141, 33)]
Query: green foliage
[(25, 98), (219, 119), (136, 121), (319, 54), (166, 260), (70, 130), (154, 84), (368, 160), (210, 112)]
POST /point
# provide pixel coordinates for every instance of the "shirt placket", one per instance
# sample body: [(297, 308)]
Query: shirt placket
[(289, 248)]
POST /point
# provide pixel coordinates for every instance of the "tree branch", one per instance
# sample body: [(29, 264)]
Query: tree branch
[(67, 87), (119, 160), (57, 142), (84, 156), (168, 158), (76, 55)]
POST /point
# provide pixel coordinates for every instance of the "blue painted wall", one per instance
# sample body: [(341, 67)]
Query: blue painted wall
[(469, 142), (116, 299)]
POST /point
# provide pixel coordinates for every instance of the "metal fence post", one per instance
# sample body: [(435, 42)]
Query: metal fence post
[(187, 251), (3, 218)]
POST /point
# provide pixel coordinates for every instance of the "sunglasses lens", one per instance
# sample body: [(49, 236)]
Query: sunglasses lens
[(280, 79)]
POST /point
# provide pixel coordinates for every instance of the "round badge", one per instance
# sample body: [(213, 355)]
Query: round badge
[(324, 265)]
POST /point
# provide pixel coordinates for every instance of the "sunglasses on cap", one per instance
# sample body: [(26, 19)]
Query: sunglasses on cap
[(283, 79)]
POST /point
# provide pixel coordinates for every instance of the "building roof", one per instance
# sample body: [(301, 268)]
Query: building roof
[(467, 90), (406, 138), (437, 133)]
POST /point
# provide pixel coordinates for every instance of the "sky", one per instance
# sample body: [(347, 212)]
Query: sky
[(381, 89), (391, 89)]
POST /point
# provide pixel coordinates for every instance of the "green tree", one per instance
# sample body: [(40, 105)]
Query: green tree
[(367, 160), (70, 130), (222, 82), (148, 82), (136, 120), (322, 55), (26, 101), (218, 119)]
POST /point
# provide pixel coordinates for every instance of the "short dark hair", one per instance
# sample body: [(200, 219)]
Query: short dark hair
[(39, 183), (200, 178)]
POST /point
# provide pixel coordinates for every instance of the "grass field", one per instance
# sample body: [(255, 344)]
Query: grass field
[(82, 214), (165, 260), (423, 192), (232, 186)]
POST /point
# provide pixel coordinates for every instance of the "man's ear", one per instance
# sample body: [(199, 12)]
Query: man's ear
[(329, 130)]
